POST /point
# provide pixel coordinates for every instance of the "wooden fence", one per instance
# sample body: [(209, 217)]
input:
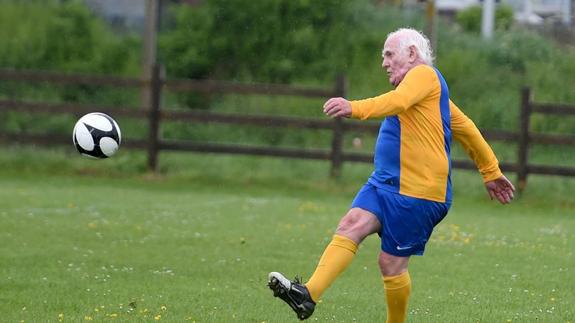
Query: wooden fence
[(336, 154)]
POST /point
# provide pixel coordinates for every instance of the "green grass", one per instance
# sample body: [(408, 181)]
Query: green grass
[(84, 239)]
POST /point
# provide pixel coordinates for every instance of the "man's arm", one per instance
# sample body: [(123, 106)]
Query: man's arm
[(465, 131), (416, 85)]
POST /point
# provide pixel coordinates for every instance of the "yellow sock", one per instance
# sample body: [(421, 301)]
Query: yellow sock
[(397, 289), (337, 255)]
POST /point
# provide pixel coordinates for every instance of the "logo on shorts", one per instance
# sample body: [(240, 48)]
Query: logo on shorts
[(403, 248)]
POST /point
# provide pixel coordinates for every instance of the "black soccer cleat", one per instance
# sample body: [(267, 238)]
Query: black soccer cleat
[(293, 293)]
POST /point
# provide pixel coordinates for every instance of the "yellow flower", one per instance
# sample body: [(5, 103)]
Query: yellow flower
[(60, 316), (163, 308), (157, 317), (88, 318)]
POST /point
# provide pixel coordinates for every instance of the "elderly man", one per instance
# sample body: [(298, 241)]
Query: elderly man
[(409, 192)]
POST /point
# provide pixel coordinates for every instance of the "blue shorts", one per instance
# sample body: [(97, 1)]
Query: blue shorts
[(406, 222)]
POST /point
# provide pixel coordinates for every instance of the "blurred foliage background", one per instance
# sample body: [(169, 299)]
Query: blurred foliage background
[(297, 42)]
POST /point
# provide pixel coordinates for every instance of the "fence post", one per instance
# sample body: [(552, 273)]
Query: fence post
[(337, 140), (150, 48), (155, 86), (522, 152), (431, 23)]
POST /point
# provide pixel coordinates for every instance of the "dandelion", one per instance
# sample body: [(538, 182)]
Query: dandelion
[(61, 317), (163, 308), (157, 317), (88, 318)]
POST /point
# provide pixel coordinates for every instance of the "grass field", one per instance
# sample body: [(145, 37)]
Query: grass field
[(104, 241)]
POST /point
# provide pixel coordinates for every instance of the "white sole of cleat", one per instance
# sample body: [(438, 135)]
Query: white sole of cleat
[(280, 278)]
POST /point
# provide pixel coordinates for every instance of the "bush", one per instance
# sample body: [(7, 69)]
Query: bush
[(50, 35), (279, 41), (470, 18), (485, 77), (274, 41), (265, 41)]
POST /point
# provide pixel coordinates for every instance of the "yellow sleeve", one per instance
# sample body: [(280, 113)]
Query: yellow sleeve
[(465, 131), (416, 85)]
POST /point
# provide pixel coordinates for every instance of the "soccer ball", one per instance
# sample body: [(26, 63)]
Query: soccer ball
[(97, 135)]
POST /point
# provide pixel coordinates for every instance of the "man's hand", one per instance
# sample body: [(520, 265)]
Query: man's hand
[(337, 107), (501, 189)]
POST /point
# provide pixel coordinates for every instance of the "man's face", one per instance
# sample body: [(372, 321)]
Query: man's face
[(395, 61)]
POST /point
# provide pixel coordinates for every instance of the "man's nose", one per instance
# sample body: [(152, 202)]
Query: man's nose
[(385, 63)]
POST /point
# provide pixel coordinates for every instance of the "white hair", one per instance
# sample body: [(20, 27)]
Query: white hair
[(410, 37)]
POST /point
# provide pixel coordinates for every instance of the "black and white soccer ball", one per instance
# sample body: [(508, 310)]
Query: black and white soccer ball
[(97, 135)]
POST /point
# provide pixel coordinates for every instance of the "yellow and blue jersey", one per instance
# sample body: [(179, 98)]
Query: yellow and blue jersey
[(412, 152)]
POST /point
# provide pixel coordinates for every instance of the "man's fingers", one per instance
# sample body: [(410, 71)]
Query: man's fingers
[(507, 192), (491, 194), (506, 184), (339, 113), (330, 104), (332, 111), (501, 189), (496, 193), (504, 197), (501, 198), (510, 194), (331, 108), (334, 107)]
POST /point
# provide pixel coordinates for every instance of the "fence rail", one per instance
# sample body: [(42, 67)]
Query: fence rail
[(335, 154)]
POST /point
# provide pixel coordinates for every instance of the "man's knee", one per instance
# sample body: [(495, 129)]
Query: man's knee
[(391, 265), (358, 224)]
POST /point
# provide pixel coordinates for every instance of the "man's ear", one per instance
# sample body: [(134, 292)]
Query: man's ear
[(412, 54)]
